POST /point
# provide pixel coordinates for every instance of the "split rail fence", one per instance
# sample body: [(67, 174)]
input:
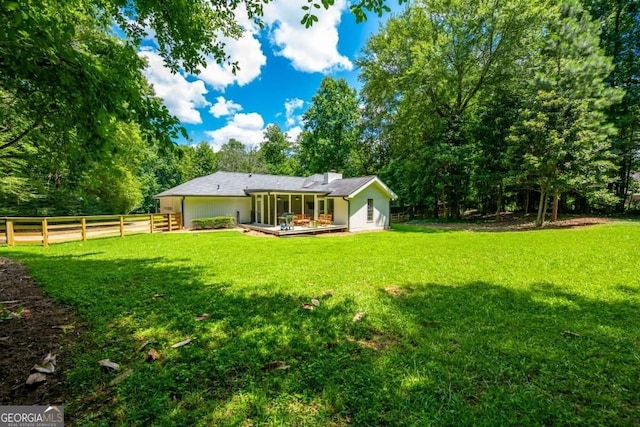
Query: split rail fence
[(45, 230), (399, 217)]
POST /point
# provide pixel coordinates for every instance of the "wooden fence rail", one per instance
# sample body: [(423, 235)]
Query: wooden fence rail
[(45, 230), (399, 217)]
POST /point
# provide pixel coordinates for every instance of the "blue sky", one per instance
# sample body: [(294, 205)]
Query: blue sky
[(281, 67)]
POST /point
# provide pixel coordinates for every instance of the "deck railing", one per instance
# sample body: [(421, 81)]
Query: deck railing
[(45, 230)]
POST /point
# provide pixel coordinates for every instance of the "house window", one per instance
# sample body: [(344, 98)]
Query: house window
[(369, 210)]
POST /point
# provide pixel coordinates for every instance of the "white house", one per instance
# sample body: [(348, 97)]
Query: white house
[(358, 203)]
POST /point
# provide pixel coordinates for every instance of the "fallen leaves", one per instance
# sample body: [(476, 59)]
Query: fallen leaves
[(182, 343), (358, 316), (108, 364), (315, 302), (47, 366), (152, 355), (277, 365), (36, 378)]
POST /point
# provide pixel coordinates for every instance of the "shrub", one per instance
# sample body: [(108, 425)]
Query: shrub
[(215, 222)]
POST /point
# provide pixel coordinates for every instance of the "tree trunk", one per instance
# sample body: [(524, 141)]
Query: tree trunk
[(499, 203), (526, 203), (542, 208), (554, 212)]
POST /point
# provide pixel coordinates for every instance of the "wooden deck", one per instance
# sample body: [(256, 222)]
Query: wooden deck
[(297, 231)]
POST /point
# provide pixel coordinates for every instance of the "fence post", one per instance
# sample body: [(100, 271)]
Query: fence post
[(170, 221), (45, 233), (10, 235), (83, 228), (121, 225), (151, 224)]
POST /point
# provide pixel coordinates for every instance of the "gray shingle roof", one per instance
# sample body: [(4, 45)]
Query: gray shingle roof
[(241, 184), (342, 187)]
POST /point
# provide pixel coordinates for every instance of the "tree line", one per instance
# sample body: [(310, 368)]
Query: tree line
[(487, 106), (505, 104)]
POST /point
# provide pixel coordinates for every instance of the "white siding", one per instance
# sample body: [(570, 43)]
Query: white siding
[(206, 207), (340, 211), (380, 209)]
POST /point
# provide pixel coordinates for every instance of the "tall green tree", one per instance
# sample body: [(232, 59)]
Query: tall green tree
[(278, 152), (563, 135), (331, 127), (205, 160), (494, 170), (426, 70), (620, 38), (68, 72), (234, 156), (159, 171)]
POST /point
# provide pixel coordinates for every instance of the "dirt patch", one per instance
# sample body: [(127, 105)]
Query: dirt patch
[(396, 291), (255, 233), (376, 342), (31, 326)]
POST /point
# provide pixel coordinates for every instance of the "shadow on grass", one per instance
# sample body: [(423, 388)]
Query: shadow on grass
[(424, 354)]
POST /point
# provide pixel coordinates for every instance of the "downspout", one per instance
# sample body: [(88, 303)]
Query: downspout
[(182, 213), (348, 212)]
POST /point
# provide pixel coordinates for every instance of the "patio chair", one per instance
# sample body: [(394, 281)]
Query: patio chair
[(325, 219), (301, 219)]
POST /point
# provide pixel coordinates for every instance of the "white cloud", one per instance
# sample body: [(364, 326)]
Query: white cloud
[(293, 133), (246, 128), (290, 106), (223, 108), (246, 50), (312, 49), (180, 96)]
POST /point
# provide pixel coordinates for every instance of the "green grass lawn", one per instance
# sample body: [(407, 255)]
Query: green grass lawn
[(460, 328)]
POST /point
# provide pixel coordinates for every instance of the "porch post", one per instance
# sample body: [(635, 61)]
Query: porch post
[(315, 206), (268, 208), (275, 210), (290, 207)]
